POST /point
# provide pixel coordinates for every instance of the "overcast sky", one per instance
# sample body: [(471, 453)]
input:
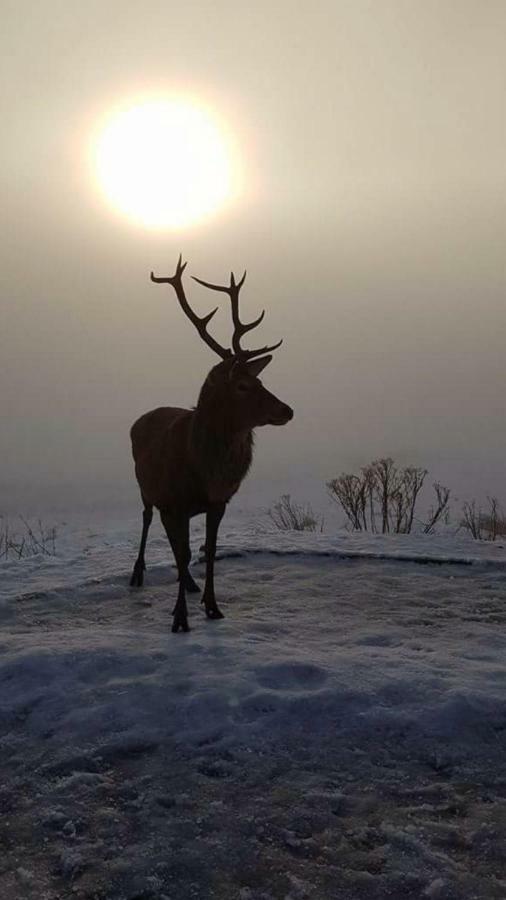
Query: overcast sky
[(373, 140)]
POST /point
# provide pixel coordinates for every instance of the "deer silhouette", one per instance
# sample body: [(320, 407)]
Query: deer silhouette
[(189, 462)]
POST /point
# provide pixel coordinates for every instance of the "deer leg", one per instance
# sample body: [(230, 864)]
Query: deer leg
[(178, 533), (138, 571), (213, 519), (190, 585)]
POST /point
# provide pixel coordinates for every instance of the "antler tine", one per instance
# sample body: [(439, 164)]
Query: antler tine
[(240, 328), (249, 354), (200, 322)]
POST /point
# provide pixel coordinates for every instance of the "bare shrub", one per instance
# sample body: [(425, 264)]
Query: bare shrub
[(471, 519), (412, 479), (385, 474), (351, 492), (382, 493), (290, 516), (494, 521), (440, 510), (26, 540), (484, 525)]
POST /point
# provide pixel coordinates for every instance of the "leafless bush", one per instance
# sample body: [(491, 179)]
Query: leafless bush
[(494, 521), (290, 516), (381, 493), (385, 476), (26, 539), (471, 517), (484, 525), (440, 510), (351, 491)]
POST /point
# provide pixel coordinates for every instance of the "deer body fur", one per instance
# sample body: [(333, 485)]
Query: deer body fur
[(180, 464)]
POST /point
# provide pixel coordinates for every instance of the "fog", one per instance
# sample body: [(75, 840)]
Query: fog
[(372, 224)]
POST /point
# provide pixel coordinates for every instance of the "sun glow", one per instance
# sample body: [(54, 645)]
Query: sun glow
[(165, 163)]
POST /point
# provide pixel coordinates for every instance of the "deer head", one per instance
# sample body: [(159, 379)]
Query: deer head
[(232, 391)]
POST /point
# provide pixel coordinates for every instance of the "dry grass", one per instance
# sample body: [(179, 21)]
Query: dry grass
[(290, 516), (26, 539)]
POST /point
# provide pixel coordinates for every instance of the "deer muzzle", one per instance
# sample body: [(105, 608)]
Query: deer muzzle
[(282, 415)]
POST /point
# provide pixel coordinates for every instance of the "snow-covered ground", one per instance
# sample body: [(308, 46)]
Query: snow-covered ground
[(340, 734)]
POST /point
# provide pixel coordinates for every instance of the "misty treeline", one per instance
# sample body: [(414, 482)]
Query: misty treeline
[(382, 498)]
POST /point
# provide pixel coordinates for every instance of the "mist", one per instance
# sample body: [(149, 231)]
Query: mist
[(373, 143)]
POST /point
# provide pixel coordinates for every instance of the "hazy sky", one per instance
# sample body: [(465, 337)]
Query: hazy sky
[(373, 141)]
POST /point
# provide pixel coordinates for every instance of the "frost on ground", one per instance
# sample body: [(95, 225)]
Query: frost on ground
[(341, 734)]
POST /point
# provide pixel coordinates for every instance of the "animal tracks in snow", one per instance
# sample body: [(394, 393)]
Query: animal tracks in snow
[(291, 676), (340, 734)]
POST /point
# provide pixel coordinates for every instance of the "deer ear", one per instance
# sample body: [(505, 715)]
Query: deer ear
[(255, 366)]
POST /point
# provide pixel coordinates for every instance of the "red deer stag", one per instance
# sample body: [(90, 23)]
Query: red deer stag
[(192, 461)]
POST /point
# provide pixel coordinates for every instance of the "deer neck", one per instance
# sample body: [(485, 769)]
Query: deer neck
[(221, 453)]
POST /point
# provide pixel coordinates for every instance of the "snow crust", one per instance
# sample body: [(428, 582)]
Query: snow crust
[(90, 548), (341, 734)]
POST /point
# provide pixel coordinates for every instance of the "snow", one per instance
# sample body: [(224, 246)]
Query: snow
[(340, 734), (91, 548)]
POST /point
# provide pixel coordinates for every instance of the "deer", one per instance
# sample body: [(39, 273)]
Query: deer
[(192, 461)]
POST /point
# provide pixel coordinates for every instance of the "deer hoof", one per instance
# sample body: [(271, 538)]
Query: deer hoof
[(214, 613), (180, 624), (137, 579)]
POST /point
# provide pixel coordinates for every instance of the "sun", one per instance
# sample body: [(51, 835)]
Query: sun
[(164, 163)]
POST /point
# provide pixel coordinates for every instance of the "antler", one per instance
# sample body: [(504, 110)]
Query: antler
[(200, 322), (240, 328)]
